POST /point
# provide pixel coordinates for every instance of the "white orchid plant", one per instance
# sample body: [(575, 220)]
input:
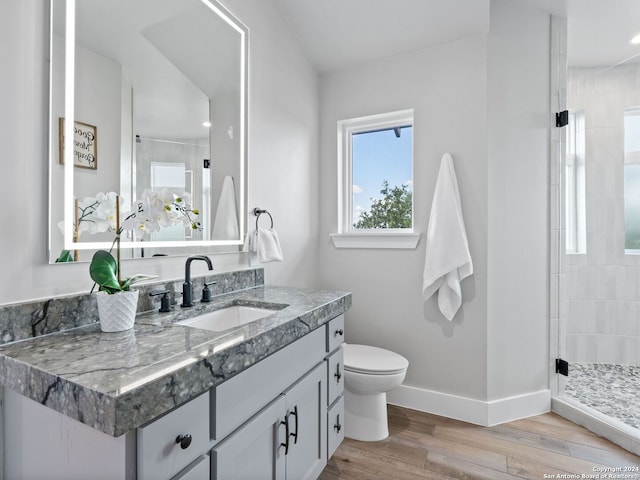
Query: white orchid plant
[(156, 209)]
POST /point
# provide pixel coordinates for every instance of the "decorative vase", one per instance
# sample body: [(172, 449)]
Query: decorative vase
[(117, 312)]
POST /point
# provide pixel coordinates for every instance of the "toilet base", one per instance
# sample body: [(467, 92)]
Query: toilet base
[(365, 416)]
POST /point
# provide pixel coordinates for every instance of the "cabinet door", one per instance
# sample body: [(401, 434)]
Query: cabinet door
[(307, 417), (198, 470), (254, 452)]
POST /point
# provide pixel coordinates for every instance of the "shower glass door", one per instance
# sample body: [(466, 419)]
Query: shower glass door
[(600, 246)]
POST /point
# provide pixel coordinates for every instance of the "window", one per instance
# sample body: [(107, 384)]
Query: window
[(632, 180), (375, 165), (174, 177), (575, 195)]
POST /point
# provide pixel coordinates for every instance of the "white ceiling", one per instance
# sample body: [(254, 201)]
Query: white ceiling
[(599, 32), (337, 33)]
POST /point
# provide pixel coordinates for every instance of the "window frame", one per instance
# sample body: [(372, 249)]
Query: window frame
[(575, 184), (347, 236), (631, 157)]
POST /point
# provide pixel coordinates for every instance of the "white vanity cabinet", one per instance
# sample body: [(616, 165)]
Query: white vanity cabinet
[(278, 419), (311, 409), (286, 440)]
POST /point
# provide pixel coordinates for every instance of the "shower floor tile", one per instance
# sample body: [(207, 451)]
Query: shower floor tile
[(610, 389)]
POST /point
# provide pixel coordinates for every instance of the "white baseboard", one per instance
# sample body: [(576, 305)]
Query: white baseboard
[(486, 413)]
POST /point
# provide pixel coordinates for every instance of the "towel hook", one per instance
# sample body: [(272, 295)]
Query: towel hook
[(257, 212)]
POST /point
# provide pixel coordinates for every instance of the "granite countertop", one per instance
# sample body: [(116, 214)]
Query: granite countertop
[(116, 382)]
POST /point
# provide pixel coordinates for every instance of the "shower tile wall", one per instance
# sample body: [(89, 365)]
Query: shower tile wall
[(604, 283)]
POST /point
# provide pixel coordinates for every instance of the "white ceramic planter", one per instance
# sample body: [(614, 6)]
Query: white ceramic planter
[(117, 312)]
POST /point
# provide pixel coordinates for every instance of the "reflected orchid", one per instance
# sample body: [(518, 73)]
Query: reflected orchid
[(161, 208)]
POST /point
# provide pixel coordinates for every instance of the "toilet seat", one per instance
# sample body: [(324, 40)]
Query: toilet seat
[(370, 360)]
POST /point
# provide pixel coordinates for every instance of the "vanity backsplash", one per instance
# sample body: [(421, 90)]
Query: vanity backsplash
[(39, 317)]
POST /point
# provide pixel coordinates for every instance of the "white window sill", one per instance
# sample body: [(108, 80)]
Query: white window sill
[(399, 240)]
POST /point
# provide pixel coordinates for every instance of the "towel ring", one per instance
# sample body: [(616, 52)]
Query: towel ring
[(257, 212)]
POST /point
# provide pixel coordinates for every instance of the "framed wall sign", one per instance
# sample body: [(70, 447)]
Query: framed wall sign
[(85, 144)]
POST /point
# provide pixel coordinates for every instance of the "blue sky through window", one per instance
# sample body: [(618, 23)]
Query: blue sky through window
[(377, 156)]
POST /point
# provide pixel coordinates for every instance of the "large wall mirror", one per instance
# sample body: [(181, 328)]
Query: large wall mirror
[(148, 106)]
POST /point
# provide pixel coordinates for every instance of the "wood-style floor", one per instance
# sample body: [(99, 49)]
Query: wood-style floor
[(425, 446)]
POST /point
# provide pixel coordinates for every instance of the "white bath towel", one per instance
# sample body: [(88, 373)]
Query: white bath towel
[(447, 260), (265, 245), (225, 224)]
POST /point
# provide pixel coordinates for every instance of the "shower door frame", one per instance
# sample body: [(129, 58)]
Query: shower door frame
[(623, 435), (557, 152)]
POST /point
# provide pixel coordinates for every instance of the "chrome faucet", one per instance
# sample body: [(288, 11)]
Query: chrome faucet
[(187, 288)]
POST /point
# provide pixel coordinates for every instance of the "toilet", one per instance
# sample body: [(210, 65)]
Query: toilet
[(369, 373)]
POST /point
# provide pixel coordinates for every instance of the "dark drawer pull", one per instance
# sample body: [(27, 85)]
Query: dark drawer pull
[(337, 426), (338, 332), (285, 422), (295, 414), (338, 375), (184, 441)]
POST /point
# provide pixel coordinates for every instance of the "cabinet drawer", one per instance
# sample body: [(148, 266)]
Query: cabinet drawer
[(335, 380), (335, 333), (159, 454), (240, 397), (335, 426), (199, 470)]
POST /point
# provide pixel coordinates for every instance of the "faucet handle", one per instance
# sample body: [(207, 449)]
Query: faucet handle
[(206, 292), (165, 302)]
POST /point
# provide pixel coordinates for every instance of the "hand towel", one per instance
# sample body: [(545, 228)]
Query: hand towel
[(225, 223), (447, 260), (265, 245)]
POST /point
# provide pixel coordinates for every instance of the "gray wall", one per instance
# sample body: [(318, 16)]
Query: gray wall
[(446, 87), (518, 159), (282, 148), (485, 99)]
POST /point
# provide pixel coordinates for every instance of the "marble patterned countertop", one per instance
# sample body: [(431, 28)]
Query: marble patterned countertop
[(116, 382)]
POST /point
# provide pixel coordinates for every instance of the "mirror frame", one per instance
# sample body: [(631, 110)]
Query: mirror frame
[(69, 107)]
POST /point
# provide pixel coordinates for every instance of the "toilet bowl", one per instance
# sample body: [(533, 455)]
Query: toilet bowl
[(369, 373)]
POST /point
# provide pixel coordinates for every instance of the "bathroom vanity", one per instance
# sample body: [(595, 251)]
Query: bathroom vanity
[(171, 401)]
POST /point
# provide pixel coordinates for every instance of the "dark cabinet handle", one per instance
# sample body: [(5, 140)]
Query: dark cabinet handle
[(338, 332), (338, 375), (184, 441), (295, 414), (285, 422), (337, 426)]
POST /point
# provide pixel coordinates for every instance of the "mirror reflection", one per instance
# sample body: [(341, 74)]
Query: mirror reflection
[(156, 119)]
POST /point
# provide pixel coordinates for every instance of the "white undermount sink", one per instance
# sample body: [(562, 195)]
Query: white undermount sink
[(226, 318)]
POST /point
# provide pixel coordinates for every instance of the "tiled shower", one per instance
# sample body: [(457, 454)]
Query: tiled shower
[(604, 281), (602, 296)]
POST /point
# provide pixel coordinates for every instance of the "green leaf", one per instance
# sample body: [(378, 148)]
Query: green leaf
[(135, 279), (104, 271), (65, 256)]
